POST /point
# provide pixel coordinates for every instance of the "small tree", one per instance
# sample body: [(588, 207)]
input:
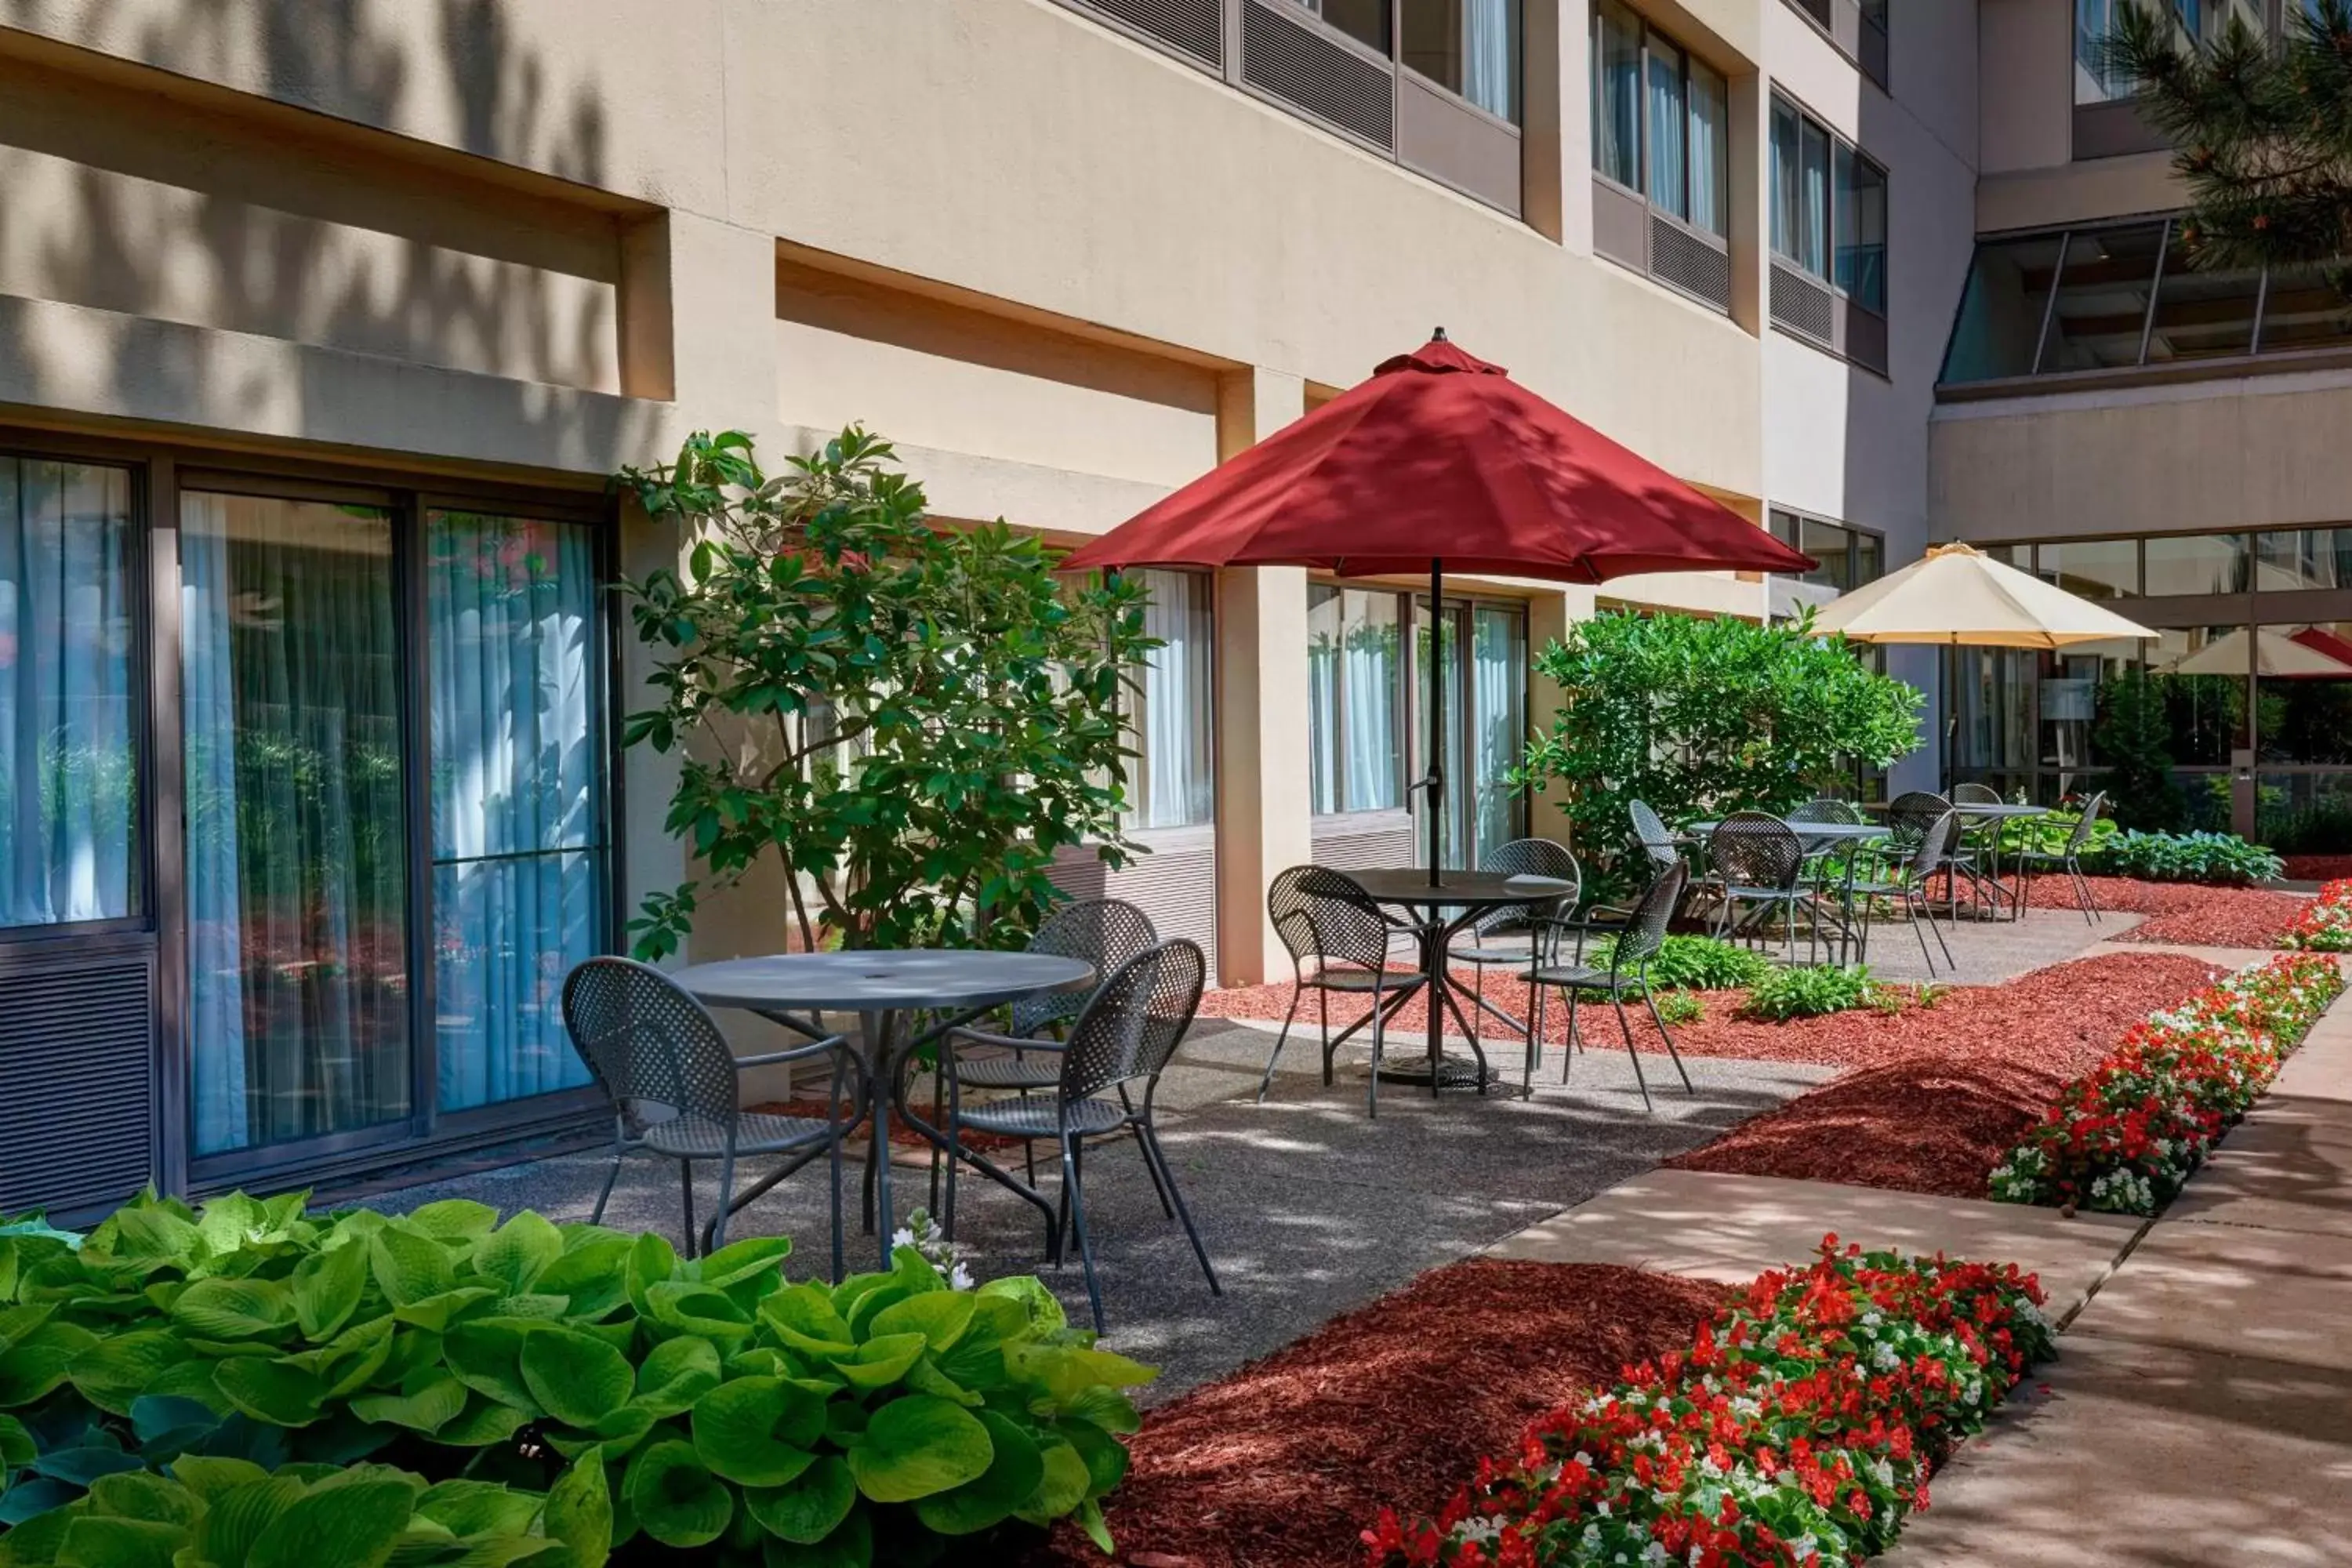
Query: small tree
[(2132, 734), (2263, 132), (1703, 717), (909, 720)]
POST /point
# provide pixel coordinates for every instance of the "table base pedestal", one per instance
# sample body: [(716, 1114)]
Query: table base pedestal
[(1453, 1073)]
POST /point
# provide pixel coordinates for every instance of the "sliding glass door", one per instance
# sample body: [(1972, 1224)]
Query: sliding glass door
[(395, 831), (1486, 723), (298, 972)]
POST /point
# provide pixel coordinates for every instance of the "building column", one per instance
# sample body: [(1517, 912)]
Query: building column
[(1263, 803)]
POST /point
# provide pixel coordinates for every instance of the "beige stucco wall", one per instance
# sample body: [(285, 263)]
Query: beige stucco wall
[(2257, 452)]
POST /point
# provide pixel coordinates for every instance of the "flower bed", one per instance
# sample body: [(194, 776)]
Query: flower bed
[(2326, 923), (2126, 1135), (1799, 1428)]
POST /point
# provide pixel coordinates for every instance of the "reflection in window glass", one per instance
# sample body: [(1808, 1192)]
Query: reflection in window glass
[(2093, 568), (1831, 546), (2202, 671), (1862, 229), (1813, 208), (1616, 94), (1470, 47), (1366, 21), (1710, 150), (1787, 179), (2202, 314), (2302, 558), (2093, 82), (1355, 694), (2103, 292), (2303, 693), (2304, 310), (1669, 124), (1993, 688), (2069, 699), (69, 786), (2000, 323), (2198, 564)]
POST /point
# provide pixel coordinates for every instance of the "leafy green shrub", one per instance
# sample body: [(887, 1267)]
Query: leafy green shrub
[(2050, 835), (1701, 717), (2133, 731), (2222, 859), (1679, 1007), (233, 1513), (1810, 991), (1694, 963), (722, 1410)]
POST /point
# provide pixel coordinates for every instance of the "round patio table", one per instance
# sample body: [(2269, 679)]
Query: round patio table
[(1435, 915), (882, 987)]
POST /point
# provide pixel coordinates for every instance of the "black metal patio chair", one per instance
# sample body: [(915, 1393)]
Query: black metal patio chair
[(663, 1063), (1628, 972), (2068, 860), (1905, 880), (1506, 935), (1125, 1036), (1761, 862), (1339, 941)]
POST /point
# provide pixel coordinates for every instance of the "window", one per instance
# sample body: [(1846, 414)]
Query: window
[(1355, 672), (1829, 207), (1847, 557), (1366, 21), (2124, 296), (1857, 29), (2092, 568), (1471, 47), (2198, 564), (69, 846), (1172, 783), (1661, 119)]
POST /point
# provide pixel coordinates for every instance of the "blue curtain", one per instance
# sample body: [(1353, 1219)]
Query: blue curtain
[(67, 790), (517, 831), (1490, 56), (1668, 127)]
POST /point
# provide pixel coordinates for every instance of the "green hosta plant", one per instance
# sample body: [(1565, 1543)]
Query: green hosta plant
[(1679, 1007), (2218, 859), (721, 1409), (1694, 963), (233, 1513), (1810, 992)]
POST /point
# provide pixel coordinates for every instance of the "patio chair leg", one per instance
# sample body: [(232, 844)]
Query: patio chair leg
[(685, 1186), (1323, 1011), (1166, 1179), (1568, 1051), (1153, 1170), (1625, 1026), (1062, 1215), (1918, 909), (2083, 894), (1075, 1199), (1676, 1056), (1264, 1083), (1372, 1083), (714, 1235), (619, 1152)]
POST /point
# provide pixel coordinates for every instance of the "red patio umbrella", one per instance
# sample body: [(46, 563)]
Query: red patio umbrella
[(1442, 460)]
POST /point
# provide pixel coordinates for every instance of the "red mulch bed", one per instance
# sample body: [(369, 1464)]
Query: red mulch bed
[(1960, 1081), (2182, 912), (1280, 1464), (2317, 868)]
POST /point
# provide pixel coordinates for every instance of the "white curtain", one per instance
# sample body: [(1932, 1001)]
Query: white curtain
[(67, 772), (1667, 129), (1368, 688), (1323, 634), (208, 710), (1175, 788), (1490, 56), (1497, 720), (517, 836), (1710, 131)]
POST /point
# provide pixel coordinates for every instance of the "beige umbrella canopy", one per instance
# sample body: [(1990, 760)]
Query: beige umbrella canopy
[(2275, 654), (1960, 596)]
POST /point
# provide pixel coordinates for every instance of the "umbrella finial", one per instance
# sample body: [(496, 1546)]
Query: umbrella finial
[(1438, 336)]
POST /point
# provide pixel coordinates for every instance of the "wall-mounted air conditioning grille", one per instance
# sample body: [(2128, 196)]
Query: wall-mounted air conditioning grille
[(1682, 258), (1194, 29), (77, 1057), (1298, 64), (1803, 305)]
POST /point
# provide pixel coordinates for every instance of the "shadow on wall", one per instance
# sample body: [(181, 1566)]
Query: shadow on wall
[(194, 208)]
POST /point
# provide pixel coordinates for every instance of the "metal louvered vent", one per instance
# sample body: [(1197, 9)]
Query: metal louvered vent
[(1803, 305), (1298, 64), (1682, 258), (77, 1053), (1194, 29)]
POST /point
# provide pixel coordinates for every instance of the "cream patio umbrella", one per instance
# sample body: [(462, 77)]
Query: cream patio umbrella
[(1959, 596)]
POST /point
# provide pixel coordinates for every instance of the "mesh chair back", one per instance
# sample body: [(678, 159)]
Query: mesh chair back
[(1645, 932), (1975, 795), (1935, 842), (1326, 915), (1529, 858), (2079, 839), (650, 1044), (1912, 814), (1104, 932), (1826, 809), (1132, 1024), (1656, 841), (1752, 850)]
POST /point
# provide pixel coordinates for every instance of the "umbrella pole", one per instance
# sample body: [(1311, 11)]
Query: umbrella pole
[(1436, 778)]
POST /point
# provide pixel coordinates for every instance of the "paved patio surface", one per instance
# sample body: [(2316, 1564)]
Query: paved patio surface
[(1308, 1208)]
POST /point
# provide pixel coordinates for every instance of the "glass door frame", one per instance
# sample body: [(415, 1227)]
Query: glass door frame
[(1460, 802), (160, 471)]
